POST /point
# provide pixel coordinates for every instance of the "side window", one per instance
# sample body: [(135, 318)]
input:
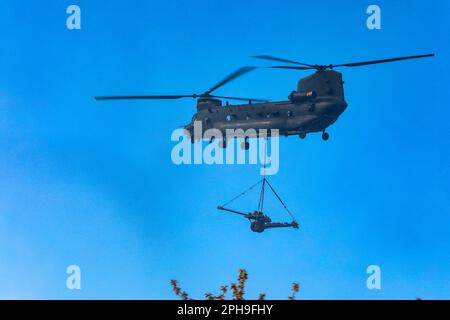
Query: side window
[(231, 117)]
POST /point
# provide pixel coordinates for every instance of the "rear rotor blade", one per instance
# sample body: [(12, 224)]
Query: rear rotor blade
[(364, 63), (284, 60), (144, 97), (232, 76), (291, 67)]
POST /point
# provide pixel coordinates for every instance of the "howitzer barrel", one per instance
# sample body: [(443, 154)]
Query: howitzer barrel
[(233, 211)]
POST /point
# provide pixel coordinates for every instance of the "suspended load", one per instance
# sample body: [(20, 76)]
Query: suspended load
[(258, 220)]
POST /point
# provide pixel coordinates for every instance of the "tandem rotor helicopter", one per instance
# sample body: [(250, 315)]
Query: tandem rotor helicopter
[(316, 105)]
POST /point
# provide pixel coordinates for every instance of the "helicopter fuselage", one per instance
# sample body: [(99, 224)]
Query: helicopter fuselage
[(317, 104), (287, 117)]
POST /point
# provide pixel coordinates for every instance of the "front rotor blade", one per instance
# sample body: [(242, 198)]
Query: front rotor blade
[(283, 60), (240, 99), (232, 76), (364, 63), (143, 97)]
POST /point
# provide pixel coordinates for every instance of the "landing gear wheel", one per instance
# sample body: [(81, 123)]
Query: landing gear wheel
[(245, 145), (257, 226), (325, 136), (302, 135)]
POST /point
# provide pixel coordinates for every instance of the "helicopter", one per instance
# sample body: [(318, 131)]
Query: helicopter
[(315, 105)]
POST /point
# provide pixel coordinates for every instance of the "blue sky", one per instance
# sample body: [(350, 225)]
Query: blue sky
[(92, 184)]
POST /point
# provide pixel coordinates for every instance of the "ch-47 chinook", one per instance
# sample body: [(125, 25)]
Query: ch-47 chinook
[(317, 104)]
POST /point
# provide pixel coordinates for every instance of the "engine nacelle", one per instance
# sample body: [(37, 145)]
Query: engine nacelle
[(208, 103), (297, 97)]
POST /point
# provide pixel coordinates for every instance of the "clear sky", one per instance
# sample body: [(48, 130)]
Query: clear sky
[(92, 184)]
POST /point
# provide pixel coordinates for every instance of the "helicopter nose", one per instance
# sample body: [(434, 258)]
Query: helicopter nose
[(343, 106), (340, 107), (336, 108)]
